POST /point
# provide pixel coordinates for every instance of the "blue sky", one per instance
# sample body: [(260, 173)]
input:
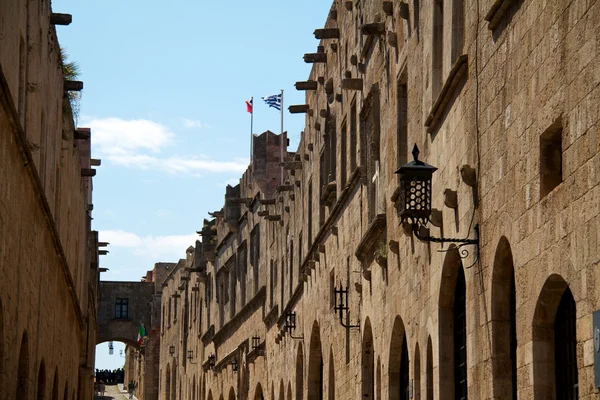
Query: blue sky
[(164, 91)]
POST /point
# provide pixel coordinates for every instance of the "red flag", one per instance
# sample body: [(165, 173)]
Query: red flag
[(249, 106)]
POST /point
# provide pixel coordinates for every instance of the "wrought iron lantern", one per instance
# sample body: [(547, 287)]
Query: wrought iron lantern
[(234, 365), (190, 356), (415, 203), (255, 342), (172, 350), (340, 304), (290, 321), (211, 361), (110, 348), (290, 324), (415, 190)]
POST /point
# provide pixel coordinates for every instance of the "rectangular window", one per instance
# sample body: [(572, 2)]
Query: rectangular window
[(122, 308), (271, 280), (437, 63), (551, 158), (169, 311), (176, 310)]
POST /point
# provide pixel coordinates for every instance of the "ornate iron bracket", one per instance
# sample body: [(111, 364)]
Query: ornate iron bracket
[(463, 253)]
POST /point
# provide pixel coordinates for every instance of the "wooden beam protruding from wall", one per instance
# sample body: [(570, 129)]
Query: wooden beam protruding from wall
[(299, 108), (61, 19), (327, 33), (315, 58), (306, 85)]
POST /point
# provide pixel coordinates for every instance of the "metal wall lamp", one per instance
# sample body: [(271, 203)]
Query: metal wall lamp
[(415, 203), (290, 325), (339, 296), (190, 357), (211, 361), (234, 365), (172, 350)]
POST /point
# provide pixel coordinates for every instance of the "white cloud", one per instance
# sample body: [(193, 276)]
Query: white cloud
[(159, 248), (119, 136), (194, 123), (137, 144)]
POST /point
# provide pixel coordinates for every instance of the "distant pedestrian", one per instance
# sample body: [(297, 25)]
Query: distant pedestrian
[(131, 388)]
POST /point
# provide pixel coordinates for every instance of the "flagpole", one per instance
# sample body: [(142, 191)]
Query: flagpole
[(251, 129), (281, 141)]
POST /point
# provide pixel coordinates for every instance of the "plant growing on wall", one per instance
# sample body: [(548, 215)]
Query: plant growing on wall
[(71, 72)]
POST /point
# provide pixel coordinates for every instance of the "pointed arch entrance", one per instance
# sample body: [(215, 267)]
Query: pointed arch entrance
[(258, 393), (398, 363), (299, 373), (23, 369), (453, 329), (315, 365), (367, 363), (554, 333), (503, 309)]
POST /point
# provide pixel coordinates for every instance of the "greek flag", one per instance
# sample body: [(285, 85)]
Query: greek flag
[(273, 101)]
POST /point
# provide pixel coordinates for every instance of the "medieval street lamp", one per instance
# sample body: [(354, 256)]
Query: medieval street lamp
[(255, 342), (211, 361), (234, 365), (190, 356), (340, 304), (172, 350), (415, 202), (290, 324)]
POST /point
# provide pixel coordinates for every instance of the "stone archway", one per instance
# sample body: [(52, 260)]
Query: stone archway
[(397, 370), (554, 334), (367, 363), (429, 369), (417, 374), (231, 394), (289, 391), (315, 365), (168, 382), (55, 385), (452, 329), (258, 392), (299, 373), (331, 368), (41, 381), (23, 369), (281, 390), (503, 310)]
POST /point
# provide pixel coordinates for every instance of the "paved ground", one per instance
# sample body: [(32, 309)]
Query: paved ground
[(113, 393)]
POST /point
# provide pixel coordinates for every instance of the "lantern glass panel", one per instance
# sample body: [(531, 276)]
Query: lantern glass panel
[(415, 201)]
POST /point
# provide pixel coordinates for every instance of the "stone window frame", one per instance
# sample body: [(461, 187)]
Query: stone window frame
[(122, 308)]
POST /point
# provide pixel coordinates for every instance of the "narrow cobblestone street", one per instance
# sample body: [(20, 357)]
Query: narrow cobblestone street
[(113, 393)]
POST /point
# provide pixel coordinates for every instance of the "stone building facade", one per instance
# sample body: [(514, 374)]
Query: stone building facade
[(48, 252), (502, 97)]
